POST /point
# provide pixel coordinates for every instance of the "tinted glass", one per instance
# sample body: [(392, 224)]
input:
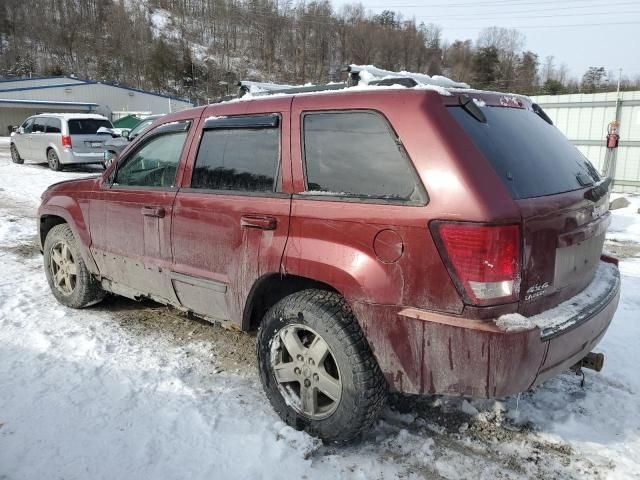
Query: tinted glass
[(356, 154), (39, 125), (87, 126), (240, 159), (154, 164), (27, 126), (531, 157), (139, 128), (54, 125)]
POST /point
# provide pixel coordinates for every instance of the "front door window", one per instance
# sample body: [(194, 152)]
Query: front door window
[(154, 164)]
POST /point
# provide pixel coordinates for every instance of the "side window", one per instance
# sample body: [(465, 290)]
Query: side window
[(39, 125), (238, 159), (27, 126), (356, 154), (54, 125), (155, 162)]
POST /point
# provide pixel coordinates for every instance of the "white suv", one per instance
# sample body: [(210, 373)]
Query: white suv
[(60, 139)]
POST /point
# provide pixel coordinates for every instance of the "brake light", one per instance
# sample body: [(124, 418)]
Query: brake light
[(484, 260), (66, 141)]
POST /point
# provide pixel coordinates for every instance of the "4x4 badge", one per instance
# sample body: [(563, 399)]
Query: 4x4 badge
[(536, 291)]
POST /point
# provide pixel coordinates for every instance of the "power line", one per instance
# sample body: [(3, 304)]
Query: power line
[(506, 3), (525, 27), (589, 14), (435, 19), (542, 10)]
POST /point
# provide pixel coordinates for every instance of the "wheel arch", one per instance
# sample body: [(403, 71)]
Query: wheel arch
[(51, 146), (47, 222), (71, 214), (269, 290)]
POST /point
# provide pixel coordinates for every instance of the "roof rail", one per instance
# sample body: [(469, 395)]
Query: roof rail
[(369, 74), (258, 89), (357, 75)]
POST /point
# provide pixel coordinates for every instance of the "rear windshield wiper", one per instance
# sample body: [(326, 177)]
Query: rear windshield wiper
[(600, 190)]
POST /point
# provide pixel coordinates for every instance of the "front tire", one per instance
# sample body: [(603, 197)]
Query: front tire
[(15, 155), (316, 366), (70, 281), (53, 160)]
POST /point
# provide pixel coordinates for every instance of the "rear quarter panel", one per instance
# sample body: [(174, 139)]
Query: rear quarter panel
[(331, 240)]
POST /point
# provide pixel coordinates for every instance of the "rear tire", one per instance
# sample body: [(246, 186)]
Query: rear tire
[(70, 281), (53, 160), (15, 155), (316, 366)]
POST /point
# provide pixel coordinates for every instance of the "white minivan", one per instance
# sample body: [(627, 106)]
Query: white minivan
[(60, 139)]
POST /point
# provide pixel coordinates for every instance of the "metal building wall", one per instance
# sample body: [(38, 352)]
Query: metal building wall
[(15, 115), (36, 82), (584, 118), (108, 97)]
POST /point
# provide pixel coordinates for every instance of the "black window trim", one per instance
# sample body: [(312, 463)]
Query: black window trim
[(177, 126), (248, 121), (251, 120), (423, 201)]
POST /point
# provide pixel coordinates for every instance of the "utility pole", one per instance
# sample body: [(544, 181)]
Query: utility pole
[(619, 80), (613, 137)]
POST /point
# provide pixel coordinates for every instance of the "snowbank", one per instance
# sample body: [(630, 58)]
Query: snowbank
[(625, 224)]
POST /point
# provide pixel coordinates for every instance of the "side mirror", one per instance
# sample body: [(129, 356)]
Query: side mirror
[(125, 134), (16, 129), (109, 157)]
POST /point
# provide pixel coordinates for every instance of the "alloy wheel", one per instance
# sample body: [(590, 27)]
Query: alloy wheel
[(306, 371), (63, 268)]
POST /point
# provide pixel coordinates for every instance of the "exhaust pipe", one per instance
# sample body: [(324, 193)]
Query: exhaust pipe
[(593, 361)]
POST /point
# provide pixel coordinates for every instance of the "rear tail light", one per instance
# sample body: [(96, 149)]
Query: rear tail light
[(483, 260), (66, 141)]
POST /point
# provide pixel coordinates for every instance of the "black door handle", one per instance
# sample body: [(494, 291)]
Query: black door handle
[(263, 222), (153, 212)]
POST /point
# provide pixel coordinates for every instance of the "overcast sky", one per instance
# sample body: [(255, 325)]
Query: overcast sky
[(551, 27)]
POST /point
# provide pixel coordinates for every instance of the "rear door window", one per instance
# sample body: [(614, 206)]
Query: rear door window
[(356, 154), (87, 126), (54, 125), (532, 157), (238, 159), (39, 125)]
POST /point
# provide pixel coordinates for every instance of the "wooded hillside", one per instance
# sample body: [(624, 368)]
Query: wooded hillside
[(191, 47)]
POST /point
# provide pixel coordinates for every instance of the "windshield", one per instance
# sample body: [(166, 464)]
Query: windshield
[(87, 126), (532, 157)]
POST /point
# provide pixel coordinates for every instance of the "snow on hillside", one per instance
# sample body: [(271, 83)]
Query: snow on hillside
[(134, 390)]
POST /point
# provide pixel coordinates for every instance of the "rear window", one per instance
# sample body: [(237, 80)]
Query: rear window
[(87, 126), (532, 157), (355, 154)]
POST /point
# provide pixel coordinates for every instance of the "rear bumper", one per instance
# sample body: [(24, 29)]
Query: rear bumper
[(423, 352), (68, 156)]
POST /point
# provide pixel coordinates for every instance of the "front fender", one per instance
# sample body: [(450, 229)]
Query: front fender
[(74, 214)]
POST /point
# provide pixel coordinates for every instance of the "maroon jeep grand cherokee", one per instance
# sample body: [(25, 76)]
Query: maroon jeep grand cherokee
[(402, 239)]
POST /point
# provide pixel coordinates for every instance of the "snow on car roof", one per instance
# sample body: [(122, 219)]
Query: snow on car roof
[(70, 116)]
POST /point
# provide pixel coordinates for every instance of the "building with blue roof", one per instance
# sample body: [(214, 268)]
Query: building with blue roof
[(23, 97)]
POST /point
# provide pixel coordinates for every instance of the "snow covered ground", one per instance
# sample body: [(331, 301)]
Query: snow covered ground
[(131, 391)]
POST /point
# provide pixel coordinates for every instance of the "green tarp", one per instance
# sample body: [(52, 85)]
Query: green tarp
[(129, 121)]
